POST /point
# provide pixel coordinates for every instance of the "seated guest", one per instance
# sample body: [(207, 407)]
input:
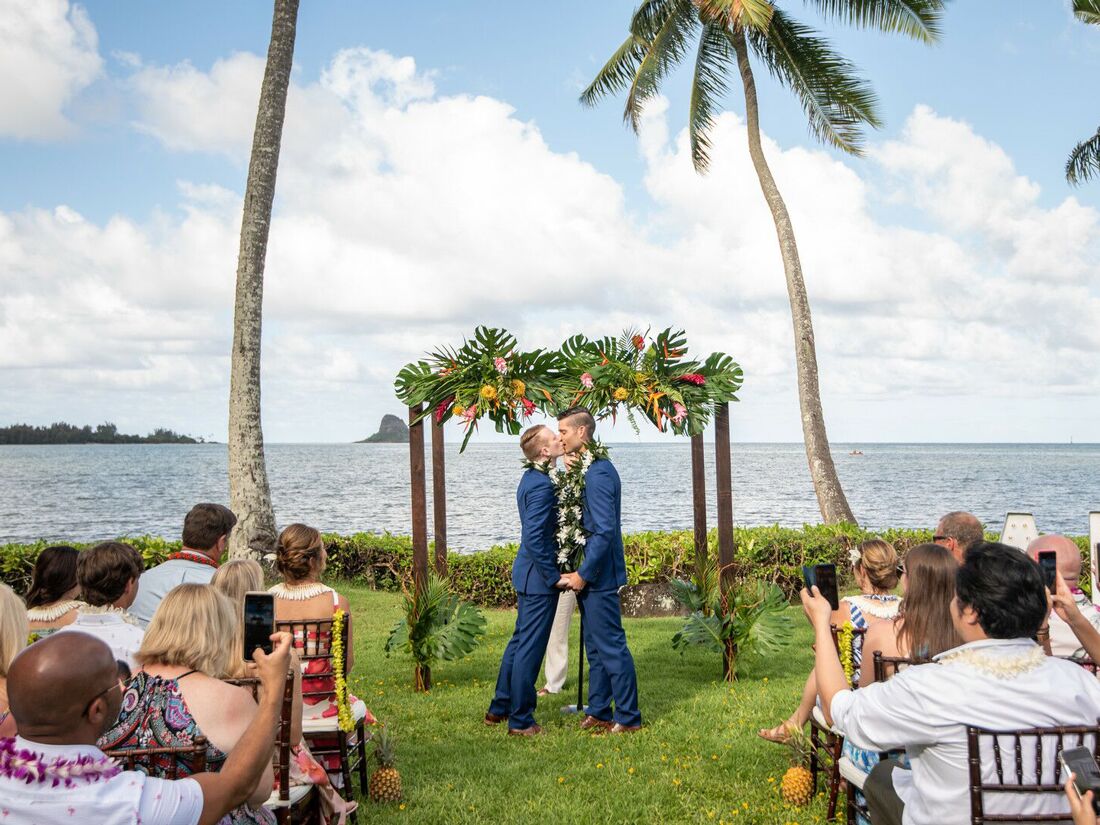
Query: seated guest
[(1062, 640), (205, 531), (177, 696), (108, 577), (998, 679), (51, 599), (875, 569), (13, 638), (236, 578), (64, 693), (958, 532)]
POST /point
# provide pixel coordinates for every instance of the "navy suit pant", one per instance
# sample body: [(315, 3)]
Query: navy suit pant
[(519, 668), (611, 673)]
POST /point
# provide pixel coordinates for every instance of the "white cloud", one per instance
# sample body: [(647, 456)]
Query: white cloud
[(48, 54), (404, 217)]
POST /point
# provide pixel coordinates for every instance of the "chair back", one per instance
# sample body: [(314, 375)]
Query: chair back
[(857, 643), (1024, 763), (164, 763), (312, 639), (887, 666), (282, 734)]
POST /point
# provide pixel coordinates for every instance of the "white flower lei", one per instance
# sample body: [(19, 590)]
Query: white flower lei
[(569, 486)]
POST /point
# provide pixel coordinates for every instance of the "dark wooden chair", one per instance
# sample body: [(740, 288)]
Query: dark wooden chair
[(290, 804), (826, 745), (152, 760), (1025, 762), (312, 641)]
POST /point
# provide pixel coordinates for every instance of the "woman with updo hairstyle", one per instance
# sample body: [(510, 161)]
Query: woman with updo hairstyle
[(875, 570), (52, 597)]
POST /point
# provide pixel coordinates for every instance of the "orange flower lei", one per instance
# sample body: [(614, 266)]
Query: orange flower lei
[(343, 709)]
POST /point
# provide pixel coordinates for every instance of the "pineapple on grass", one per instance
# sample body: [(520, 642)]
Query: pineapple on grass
[(385, 782), (797, 787)]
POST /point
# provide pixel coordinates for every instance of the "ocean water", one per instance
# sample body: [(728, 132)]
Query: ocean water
[(91, 492)]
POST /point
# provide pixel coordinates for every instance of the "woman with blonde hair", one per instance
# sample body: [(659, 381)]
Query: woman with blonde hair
[(234, 579), (13, 638), (177, 694), (875, 569)]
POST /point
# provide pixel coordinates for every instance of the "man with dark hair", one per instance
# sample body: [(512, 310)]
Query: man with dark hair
[(108, 578), (64, 693), (998, 679), (205, 532), (958, 532), (611, 675)]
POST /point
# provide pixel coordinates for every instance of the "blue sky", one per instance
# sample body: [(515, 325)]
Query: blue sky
[(1011, 79)]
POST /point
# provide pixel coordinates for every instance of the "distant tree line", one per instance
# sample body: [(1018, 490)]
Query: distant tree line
[(63, 433)]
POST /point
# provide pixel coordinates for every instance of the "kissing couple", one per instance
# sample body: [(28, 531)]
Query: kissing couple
[(576, 546)]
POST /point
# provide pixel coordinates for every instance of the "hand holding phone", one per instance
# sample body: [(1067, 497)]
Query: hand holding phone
[(823, 576), (1048, 564), (259, 623), (1086, 777)]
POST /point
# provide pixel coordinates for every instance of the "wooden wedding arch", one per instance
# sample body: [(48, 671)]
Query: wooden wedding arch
[(634, 374)]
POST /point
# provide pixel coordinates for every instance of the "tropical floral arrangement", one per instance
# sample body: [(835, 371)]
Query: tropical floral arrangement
[(490, 377)]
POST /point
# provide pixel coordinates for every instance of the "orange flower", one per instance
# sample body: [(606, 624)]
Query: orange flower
[(518, 387), (488, 392), (620, 394)]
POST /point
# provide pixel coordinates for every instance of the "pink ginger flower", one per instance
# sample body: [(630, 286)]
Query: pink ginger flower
[(681, 413), (501, 365), (586, 381)]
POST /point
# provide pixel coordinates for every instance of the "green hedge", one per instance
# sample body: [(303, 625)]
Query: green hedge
[(384, 562)]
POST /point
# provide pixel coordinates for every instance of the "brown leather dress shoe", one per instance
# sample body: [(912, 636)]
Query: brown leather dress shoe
[(493, 719), (534, 730), (594, 724), (617, 728)]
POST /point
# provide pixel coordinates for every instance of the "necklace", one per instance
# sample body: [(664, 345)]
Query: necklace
[(999, 667), (569, 486), (878, 605), (190, 555), (299, 592), (541, 466), (52, 612), (107, 610), (28, 766)]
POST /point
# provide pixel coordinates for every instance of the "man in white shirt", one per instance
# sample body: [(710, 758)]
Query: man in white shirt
[(999, 679), (64, 693), (1063, 642), (108, 578), (206, 530)]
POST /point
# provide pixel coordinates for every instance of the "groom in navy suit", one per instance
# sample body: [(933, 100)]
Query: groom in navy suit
[(538, 583), (597, 581)]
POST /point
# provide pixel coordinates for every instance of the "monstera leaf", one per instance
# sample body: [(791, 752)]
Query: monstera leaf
[(438, 626)]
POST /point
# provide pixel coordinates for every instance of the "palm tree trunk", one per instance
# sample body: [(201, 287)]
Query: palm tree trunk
[(249, 494), (830, 496)]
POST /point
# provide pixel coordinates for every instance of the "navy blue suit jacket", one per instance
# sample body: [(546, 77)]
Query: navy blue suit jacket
[(535, 570), (604, 567)]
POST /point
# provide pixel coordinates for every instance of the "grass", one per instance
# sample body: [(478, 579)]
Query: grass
[(697, 759)]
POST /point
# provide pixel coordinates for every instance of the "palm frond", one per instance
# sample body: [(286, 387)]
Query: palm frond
[(837, 102), (713, 60), (1087, 11), (663, 51), (1084, 160), (617, 72), (732, 13), (918, 19)]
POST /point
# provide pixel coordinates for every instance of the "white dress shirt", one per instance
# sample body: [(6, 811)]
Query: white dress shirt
[(124, 799), (997, 684), (155, 583), (1063, 641), (121, 633)]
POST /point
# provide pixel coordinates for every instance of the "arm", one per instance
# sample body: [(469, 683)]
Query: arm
[(1066, 608), (539, 508), (251, 757), (1080, 806), (599, 493), (830, 672)]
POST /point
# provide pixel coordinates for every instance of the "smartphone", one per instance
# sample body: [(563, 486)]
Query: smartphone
[(1048, 563), (1082, 764), (259, 623), (824, 576)]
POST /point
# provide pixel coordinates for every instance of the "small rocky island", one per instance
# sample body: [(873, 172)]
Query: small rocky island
[(392, 430)]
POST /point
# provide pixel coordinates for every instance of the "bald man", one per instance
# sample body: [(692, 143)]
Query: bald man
[(958, 532), (1063, 641), (64, 692)]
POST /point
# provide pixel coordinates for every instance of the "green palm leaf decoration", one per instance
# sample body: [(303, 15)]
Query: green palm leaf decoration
[(1084, 160)]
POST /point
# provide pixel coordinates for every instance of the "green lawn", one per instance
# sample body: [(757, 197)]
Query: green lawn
[(696, 760)]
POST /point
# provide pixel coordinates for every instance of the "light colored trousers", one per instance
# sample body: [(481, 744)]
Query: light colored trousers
[(557, 649)]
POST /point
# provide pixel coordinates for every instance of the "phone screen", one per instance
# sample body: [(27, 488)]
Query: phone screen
[(1048, 563), (1087, 778), (825, 579), (259, 622), (808, 577)]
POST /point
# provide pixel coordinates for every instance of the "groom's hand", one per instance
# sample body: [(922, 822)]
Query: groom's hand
[(563, 583), (576, 583)]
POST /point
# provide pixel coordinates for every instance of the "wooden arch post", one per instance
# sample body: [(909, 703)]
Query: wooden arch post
[(699, 506), (439, 499), (724, 483), (423, 675)]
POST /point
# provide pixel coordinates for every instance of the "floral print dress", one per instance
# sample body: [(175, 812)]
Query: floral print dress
[(155, 715)]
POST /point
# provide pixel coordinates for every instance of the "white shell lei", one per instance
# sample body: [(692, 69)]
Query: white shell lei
[(299, 592), (52, 612), (999, 667), (103, 610), (882, 608)]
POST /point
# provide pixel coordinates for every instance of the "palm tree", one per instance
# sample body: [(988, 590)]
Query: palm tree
[(249, 494), (837, 104), (1084, 160)]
